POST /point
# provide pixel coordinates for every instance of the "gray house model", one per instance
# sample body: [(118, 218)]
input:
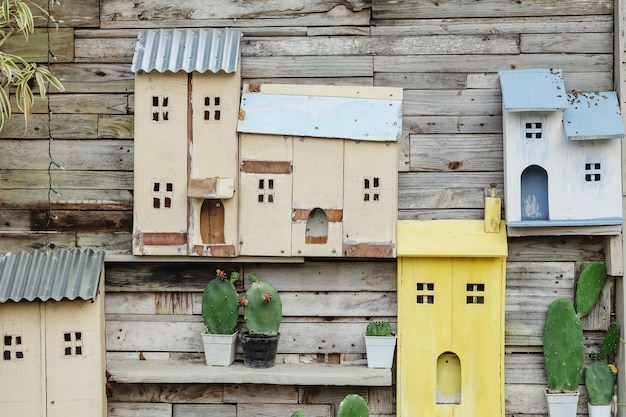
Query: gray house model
[(562, 155)]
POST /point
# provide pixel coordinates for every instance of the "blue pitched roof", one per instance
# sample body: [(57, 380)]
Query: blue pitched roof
[(533, 90), (593, 116), (187, 50)]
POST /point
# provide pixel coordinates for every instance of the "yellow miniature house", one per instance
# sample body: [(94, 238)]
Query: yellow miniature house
[(52, 329), (451, 284), (288, 171)]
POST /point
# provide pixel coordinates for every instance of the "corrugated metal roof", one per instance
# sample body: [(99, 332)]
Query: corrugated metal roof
[(188, 50), (318, 116), (533, 90), (55, 275), (593, 116)]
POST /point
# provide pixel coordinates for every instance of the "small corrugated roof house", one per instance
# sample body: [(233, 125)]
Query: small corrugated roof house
[(562, 155), (218, 177), (52, 328)]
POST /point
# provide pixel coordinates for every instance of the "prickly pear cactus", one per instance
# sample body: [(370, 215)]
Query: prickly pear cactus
[(378, 328), (608, 344), (353, 406), (220, 304), (297, 414), (590, 284), (563, 346), (600, 383), (263, 309)]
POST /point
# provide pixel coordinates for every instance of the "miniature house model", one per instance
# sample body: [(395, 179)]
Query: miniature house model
[(562, 155), (451, 285), (280, 170), (52, 329)]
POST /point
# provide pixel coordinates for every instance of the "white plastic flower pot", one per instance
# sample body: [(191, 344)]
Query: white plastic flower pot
[(562, 404), (603, 410), (219, 349), (380, 351)]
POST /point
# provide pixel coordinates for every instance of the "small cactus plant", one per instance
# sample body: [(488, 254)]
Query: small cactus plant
[(297, 414), (599, 375), (563, 347), (220, 304), (262, 307), (353, 406), (378, 328)]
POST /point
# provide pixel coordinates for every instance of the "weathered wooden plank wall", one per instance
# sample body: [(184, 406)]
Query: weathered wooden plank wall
[(444, 54)]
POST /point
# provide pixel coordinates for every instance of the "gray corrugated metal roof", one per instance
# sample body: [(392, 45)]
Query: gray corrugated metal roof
[(188, 50), (55, 275)]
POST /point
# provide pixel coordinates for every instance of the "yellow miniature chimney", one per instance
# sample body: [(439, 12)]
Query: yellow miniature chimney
[(492, 211)]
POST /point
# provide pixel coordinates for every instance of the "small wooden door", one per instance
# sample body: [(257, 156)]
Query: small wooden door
[(212, 222)]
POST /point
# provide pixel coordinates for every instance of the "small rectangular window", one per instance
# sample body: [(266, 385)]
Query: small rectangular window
[(207, 115), (155, 101), (270, 184), (376, 182), (169, 187), (166, 102), (218, 115), (261, 184), (155, 116), (207, 101), (168, 202), (216, 100), (156, 187), (156, 203)]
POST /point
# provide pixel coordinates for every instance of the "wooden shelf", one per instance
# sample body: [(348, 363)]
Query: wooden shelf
[(176, 372)]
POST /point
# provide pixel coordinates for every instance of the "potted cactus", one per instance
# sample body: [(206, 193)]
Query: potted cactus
[(563, 341), (220, 309), (263, 313), (600, 375), (380, 344)]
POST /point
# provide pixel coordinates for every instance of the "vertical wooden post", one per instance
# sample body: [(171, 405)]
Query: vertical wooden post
[(619, 69)]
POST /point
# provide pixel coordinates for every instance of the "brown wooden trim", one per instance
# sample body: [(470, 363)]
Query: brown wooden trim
[(334, 215), (162, 239), (266, 167), (220, 251), (201, 187), (368, 250)]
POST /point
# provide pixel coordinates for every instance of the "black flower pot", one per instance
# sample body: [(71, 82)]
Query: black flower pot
[(259, 351)]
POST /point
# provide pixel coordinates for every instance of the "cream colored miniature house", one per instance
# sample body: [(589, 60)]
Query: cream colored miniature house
[(562, 156), (52, 329), (288, 171)]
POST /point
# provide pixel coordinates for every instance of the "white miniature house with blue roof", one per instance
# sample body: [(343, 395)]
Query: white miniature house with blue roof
[(562, 156), (287, 171)]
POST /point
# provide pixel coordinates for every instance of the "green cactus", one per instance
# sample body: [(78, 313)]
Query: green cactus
[(220, 304), (608, 344), (600, 382), (563, 346), (297, 414), (590, 284), (378, 328), (263, 309), (353, 406)]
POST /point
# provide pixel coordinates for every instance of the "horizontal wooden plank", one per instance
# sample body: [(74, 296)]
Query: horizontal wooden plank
[(136, 371), (95, 78), (161, 10), (65, 220), (113, 243), (66, 179), (116, 126), (260, 394), (79, 103), (456, 153), (87, 15), (179, 333), (548, 249), (441, 214), (202, 410), (578, 43), (62, 126), (381, 45), (67, 199), (36, 48), (168, 393), (72, 155), (300, 304), (578, 81), (16, 242), (452, 124), (107, 50), (489, 25), (309, 276), (405, 9), (487, 63), (280, 410), (423, 80), (452, 102), (307, 66), (132, 409)]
